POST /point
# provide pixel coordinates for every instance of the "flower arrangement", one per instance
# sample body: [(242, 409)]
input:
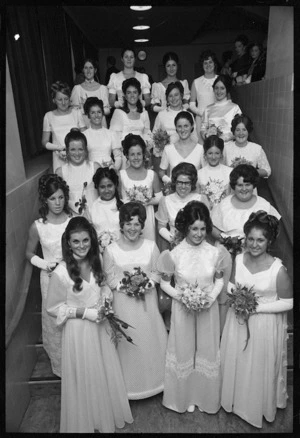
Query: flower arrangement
[(214, 130), (105, 311), (240, 160), (105, 238), (82, 203), (215, 191), (135, 283), (244, 302), (139, 193), (160, 139), (234, 244), (193, 297)]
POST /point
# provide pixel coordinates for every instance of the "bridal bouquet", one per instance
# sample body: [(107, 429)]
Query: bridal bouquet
[(244, 302), (214, 130), (135, 283), (82, 203), (234, 244), (193, 297), (105, 311), (239, 160), (105, 238), (215, 191), (139, 193), (160, 139)]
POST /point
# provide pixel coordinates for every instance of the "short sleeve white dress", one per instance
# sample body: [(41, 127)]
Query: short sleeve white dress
[(142, 363), (214, 182), (205, 96), (252, 154), (101, 143), (255, 380), (105, 216), (158, 93), (170, 157), (79, 96), (165, 120), (116, 80)]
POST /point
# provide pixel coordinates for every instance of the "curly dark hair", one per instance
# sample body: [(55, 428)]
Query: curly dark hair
[(185, 115), (132, 82), (133, 140), (60, 87), (213, 140), (226, 81), (193, 211), (242, 39), (247, 172), (241, 118), (106, 172), (173, 85), (261, 220), (205, 55), (131, 209), (92, 101), (76, 225), (49, 184), (186, 169), (170, 56)]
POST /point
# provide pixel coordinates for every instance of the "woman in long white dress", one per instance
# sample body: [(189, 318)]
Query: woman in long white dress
[(184, 149), (230, 215), (142, 363), (192, 370), (240, 150), (202, 93), (116, 93), (255, 378), (90, 88), (217, 117), (138, 183), (57, 123), (170, 62), (47, 230), (93, 393), (78, 172), (102, 143)]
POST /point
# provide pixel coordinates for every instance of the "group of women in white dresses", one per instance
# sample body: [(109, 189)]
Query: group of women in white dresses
[(106, 209)]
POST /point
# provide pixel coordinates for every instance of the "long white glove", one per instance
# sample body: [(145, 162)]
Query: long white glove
[(218, 286), (281, 305), (194, 109), (230, 286), (165, 234), (157, 108), (42, 263), (90, 314), (185, 106), (166, 179), (53, 147), (170, 290)]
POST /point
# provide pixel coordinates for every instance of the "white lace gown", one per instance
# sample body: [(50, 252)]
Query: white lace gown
[(60, 126), (101, 143), (252, 154), (192, 370), (126, 184), (231, 220), (50, 240), (220, 114), (170, 157), (214, 182), (158, 93), (255, 380), (93, 393), (143, 363), (75, 177)]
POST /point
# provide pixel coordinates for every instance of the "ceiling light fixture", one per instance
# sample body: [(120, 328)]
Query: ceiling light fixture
[(141, 40), (140, 8), (141, 27)]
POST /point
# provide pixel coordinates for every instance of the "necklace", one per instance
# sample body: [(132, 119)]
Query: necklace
[(89, 81)]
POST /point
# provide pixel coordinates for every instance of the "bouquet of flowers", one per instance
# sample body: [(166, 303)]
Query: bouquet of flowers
[(106, 163), (160, 139), (139, 193), (105, 238), (239, 160), (213, 130), (244, 302), (214, 190), (176, 238), (82, 203), (234, 244), (193, 297), (105, 311), (135, 283)]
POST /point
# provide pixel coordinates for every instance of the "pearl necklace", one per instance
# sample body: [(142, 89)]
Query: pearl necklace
[(87, 81)]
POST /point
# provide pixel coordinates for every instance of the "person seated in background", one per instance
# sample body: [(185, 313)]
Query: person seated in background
[(241, 65), (227, 58), (111, 68), (257, 69)]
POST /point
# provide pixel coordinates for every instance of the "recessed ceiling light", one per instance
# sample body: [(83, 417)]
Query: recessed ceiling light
[(141, 27), (141, 40), (16, 36), (140, 8)]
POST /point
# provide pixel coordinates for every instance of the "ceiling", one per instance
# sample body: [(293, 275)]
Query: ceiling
[(111, 26)]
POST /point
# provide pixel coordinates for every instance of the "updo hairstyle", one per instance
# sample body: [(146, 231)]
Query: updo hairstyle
[(170, 56), (247, 171), (92, 101), (205, 55), (131, 209), (185, 115), (76, 135), (261, 220), (60, 87), (213, 140), (133, 140), (193, 211), (49, 184), (186, 169), (241, 118), (174, 85)]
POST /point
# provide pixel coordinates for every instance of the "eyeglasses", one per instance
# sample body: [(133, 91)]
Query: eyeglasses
[(183, 183)]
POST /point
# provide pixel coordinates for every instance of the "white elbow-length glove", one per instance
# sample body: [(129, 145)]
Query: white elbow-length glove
[(219, 283), (165, 234), (281, 305), (90, 314), (42, 263), (166, 179), (170, 290)]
